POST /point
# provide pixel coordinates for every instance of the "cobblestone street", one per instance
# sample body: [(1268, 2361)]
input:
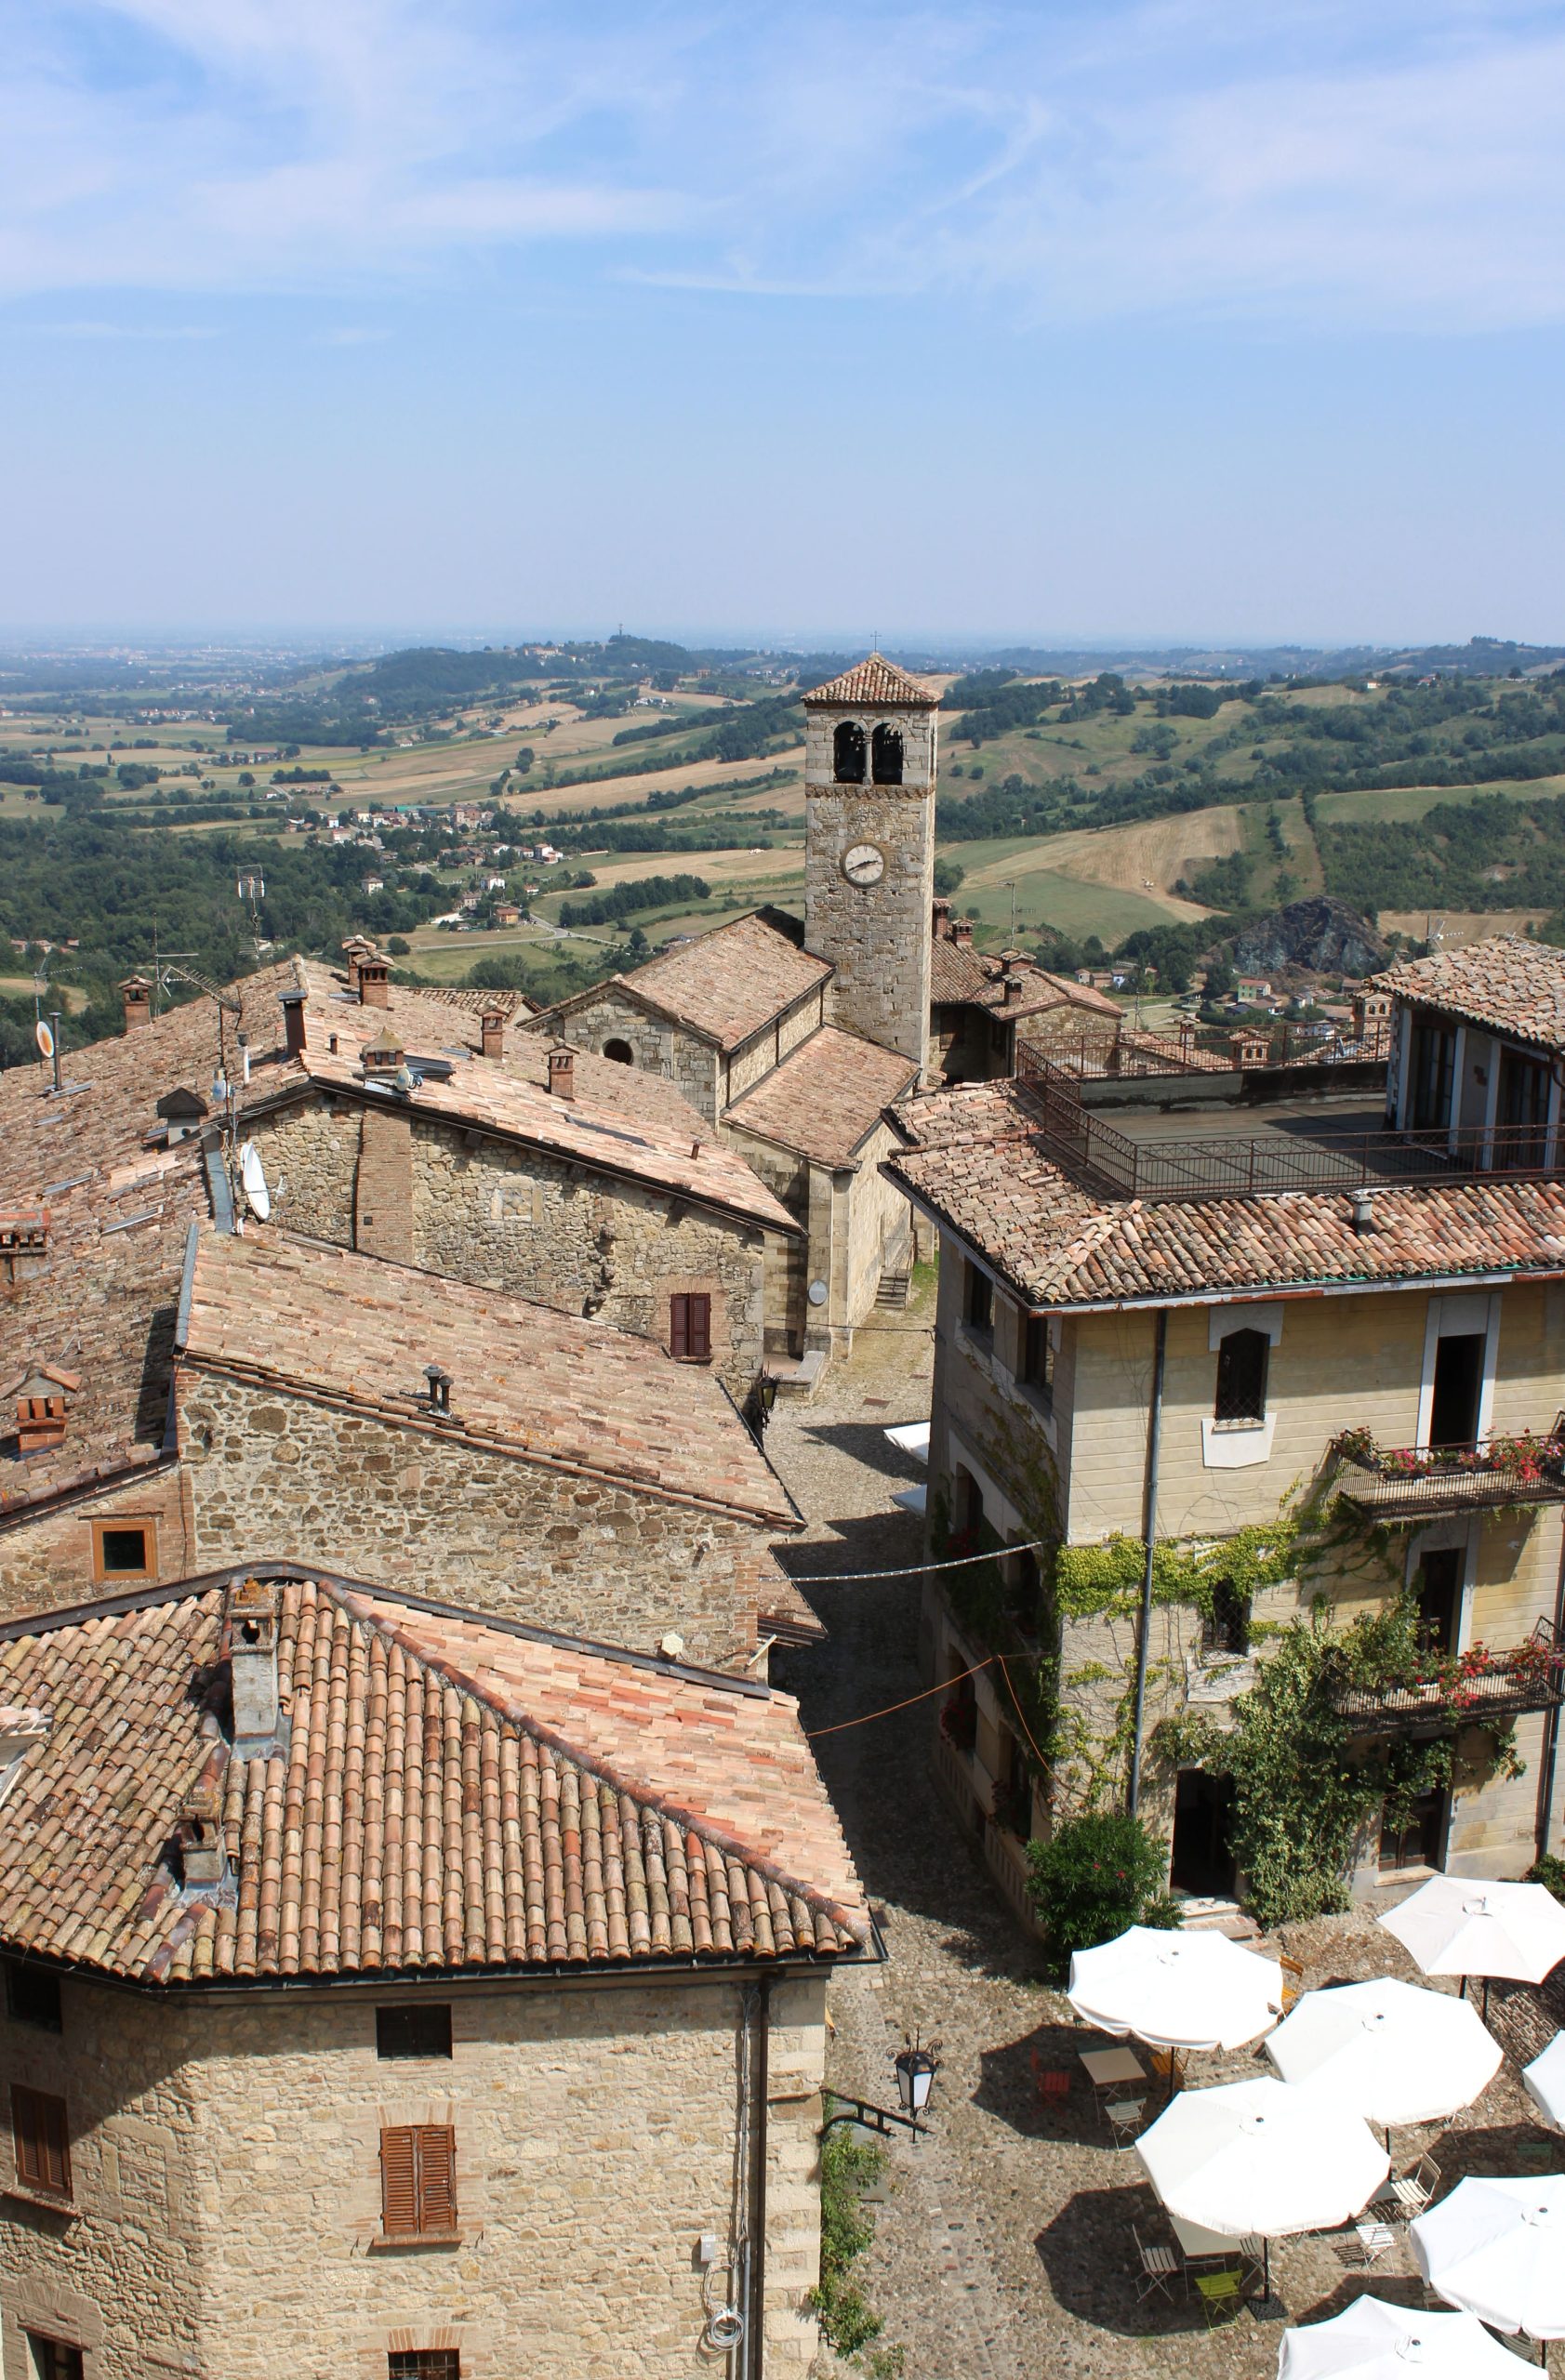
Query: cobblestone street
[(1005, 2247)]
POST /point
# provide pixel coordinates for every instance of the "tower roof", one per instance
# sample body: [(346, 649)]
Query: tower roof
[(875, 683)]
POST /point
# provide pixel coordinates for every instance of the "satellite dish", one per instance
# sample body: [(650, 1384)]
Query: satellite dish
[(252, 1175), (44, 1036), (818, 1292)]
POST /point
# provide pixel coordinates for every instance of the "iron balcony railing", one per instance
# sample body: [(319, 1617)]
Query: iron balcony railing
[(1433, 1480), (1470, 1690), (1231, 1166)]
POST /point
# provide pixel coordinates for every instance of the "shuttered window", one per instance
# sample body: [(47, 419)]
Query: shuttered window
[(418, 2181), (690, 1327), (42, 2142)]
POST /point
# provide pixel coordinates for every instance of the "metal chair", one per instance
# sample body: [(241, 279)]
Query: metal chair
[(1160, 2267), (1124, 2120), (1413, 2191), (1292, 1981), (1050, 2082), (1374, 2239), (1220, 2294)]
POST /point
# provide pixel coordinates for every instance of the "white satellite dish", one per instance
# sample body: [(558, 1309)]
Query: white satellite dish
[(44, 1036), (254, 1178)]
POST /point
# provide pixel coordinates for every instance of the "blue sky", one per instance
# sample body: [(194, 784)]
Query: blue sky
[(1174, 317)]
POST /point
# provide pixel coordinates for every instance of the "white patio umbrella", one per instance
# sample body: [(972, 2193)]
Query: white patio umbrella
[(1374, 2341), (1261, 2157), (1497, 2247), (1467, 1925), (1177, 1991), (1544, 2080), (1388, 2050)]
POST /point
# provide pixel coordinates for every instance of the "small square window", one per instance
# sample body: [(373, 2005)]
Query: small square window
[(32, 1996), (124, 1550), (411, 2030)]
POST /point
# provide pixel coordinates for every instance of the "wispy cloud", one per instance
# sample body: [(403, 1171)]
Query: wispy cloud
[(1132, 158)]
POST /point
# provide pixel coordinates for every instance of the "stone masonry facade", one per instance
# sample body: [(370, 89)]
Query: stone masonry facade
[(876, 935), (226, 2192), (502, 1216)]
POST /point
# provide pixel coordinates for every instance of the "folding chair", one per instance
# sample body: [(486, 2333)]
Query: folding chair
[(1413, 2191), (1292, 1981), (1373, 2241), (1220, 2293), (1050, 2082), (1160, 2267), (1124, 2120)]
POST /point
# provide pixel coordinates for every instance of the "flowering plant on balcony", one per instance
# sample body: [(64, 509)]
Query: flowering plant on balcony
[(958, 1722), (1528, 1457)]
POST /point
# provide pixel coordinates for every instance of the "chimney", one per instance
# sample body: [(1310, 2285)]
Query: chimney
[(440, 1388), (204, 1852), (561, 1073), (253, 1605), (491, 1033), (1363, 1211), (40, 1401), (375, 980), (24, 1242), (1009, 987), (383, 1056), (137, 992), (962, 931), (940, 919), (1248, 1048), (292, 1005), (354, 949)]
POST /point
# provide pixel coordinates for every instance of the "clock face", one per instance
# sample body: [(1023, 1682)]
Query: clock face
[(864, 863)]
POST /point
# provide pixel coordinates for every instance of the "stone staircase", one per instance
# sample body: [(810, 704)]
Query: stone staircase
[(1199, 1915), (892, 1293)]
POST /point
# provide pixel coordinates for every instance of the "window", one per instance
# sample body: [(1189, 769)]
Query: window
[(979, 1300), (1521, 1109), (1226, 1628), (52, 2360), (847, 753), (690, 1327), (886, 748), (1241, 1376), (424, 2363), (1432, 1060), (124, 1550), (1453, 1407), (32, 1996), (1439, 1597), (1038, 1356), (419, 2182), (621, 1052), (43, 2143), (413, 2031)]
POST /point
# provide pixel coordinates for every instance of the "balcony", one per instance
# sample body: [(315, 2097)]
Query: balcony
[(1420, 1483), (1468, 1690)]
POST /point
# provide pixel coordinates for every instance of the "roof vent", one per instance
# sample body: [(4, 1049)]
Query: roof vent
[(383, 1057), (962, 931), (440, 1388), (203, 1849), (1363, 1210), (561, 1073), (40, 1396)]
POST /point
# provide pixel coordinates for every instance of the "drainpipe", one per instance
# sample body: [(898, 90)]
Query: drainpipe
[(755, 2360), (1551, 1725), (1154, 1449)]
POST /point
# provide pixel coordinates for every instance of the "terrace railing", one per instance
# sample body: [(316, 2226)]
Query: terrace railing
[(1411, 1483), (1469, 1689)]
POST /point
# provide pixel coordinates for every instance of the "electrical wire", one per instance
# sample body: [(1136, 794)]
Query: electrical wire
[(812, 1734), (915, 1569)]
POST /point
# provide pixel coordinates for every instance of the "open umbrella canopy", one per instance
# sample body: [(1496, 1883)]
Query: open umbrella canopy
[(1373, 2341), (1177, 1991), (1465, 1925), (1544, 2080), (1497, 2247), (1261, 2157), (1388, 2050)]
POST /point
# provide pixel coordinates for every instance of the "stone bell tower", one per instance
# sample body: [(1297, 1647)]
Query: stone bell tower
[(870, 763)]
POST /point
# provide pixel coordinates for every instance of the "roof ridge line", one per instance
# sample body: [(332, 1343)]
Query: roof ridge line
[(646, 1797)]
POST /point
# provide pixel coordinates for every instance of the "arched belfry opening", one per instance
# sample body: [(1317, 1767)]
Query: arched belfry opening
[(847, 753), (886, 755)]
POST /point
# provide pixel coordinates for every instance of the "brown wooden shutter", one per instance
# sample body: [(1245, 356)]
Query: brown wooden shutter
[(43, 2141), (399, 2182), (700, 1325), (437, 2178), (678, 1326)]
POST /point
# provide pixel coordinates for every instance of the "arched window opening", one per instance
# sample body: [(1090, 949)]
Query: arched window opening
[(1241, 1376), (886, 748), (847, 753), (621, 1052)]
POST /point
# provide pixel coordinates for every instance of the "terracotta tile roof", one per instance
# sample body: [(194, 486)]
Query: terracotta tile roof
[(446, 1795), (874, 683), (1506, 984), (827, 1096), (553, 1388), (725, 987), (980, 1168), (961, 976), (508, 1004)]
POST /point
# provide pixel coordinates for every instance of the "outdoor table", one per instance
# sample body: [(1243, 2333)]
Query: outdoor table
[(1108, 2068), (1197, 2244)]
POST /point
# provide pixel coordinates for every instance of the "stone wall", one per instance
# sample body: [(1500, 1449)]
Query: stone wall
[(876, 935), (278, 1477), (46, 1560), (225, 2156), (757, 1057), (501, 1216), (693, 1067)]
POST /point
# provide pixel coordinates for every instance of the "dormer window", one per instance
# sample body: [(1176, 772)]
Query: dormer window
[(848, 753)]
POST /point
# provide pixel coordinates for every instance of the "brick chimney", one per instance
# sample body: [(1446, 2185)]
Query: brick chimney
[(491, 1033), (24, 1242), (962, 931), (252, 1614), (354, 949), (561, 1073), (292, 1004), (137, 992), (1009, 987), (384, 1055), (939, 918), (40, 1401), (1248, 1048), (375, 980)]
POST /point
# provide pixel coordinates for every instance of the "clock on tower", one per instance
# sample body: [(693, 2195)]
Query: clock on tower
[(869, 768)]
